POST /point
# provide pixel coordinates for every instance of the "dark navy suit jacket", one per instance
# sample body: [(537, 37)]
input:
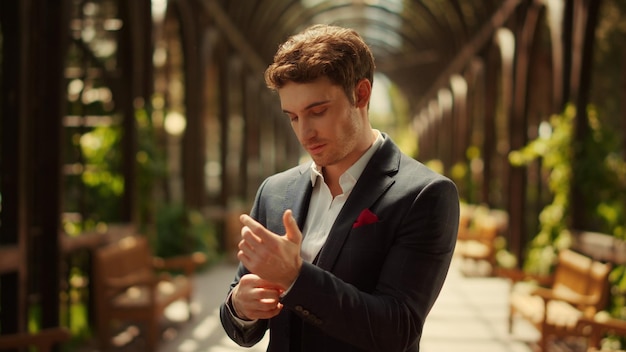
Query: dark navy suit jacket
[(373, 285)]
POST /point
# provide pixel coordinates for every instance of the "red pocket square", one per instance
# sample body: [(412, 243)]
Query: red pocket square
[(365, 218)]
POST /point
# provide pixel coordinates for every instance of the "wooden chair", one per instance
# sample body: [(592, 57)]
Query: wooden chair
[(43, 340), (128, 286), (598, 327), (554, 305), (479, 230)]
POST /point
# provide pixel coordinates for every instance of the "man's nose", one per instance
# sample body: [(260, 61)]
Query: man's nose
[(307, 129)]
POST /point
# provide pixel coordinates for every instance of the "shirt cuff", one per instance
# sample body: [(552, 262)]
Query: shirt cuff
[(282, 295)]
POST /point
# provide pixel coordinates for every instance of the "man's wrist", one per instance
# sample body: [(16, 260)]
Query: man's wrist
[(289, 283), (293, 282)]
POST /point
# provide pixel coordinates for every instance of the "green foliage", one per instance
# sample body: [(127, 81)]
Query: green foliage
[(99, 148), (177, 229), (96, 190), (151, 168), (599, 173), (180, 231), (473, 176), (466, 175), (555, 151)]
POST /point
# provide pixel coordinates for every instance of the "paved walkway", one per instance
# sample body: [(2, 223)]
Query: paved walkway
[(470, 315)]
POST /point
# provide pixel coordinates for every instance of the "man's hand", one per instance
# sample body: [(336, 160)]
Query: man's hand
[(270, 256), (254, 298)]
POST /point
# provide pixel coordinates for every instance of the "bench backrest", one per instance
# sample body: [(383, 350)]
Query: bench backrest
[(577, 274), (128, 256), (490, 223)]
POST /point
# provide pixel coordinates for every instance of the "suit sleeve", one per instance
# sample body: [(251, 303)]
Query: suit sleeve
[(246, 336), (392, 315)]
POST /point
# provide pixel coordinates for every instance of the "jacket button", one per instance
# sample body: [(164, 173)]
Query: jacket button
[(299, 309)]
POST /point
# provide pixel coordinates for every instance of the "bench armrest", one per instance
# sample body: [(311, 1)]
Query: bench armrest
[(600, 325), (604, 325), (574, 299), (134, 279), (187, 263), (517, 275)]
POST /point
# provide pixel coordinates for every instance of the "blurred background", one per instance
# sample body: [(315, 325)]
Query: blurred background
[(151, 118)]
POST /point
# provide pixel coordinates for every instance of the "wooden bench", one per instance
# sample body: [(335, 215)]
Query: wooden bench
[(578, 288), (43, 340), (479, 229), (132, 286), (599, 326)]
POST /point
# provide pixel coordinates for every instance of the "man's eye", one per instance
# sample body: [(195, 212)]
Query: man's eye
[(318, 112), (292, 118)]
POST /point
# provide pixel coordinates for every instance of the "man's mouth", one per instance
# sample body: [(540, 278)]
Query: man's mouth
[(315, 148)]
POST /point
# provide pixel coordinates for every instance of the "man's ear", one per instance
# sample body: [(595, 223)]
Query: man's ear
[(363, 90)]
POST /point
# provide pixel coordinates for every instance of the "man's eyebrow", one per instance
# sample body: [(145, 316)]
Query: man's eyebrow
[(312, 105)]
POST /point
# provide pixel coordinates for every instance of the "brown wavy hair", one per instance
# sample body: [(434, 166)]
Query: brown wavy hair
[(322, 50)]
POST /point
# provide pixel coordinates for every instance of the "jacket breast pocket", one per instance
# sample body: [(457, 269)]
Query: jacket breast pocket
[(363, 255)]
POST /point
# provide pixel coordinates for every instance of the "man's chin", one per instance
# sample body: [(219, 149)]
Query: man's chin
[(324, 162)]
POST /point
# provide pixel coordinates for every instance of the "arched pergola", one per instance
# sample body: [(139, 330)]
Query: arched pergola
[(479, 78)]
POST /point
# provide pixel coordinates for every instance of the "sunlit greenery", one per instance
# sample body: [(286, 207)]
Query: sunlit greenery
[(556, 153), (601, 176), (96, 187), (181, 231), (99, 150), (600, 173), (174, 229)]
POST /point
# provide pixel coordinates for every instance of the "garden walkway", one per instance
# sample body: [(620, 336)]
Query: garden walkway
[(470, 315)]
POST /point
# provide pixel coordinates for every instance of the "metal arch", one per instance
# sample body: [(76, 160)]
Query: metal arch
[(454, 19), (272, 21), (406, 17), (264, 28), (409, 52), (427, 35)]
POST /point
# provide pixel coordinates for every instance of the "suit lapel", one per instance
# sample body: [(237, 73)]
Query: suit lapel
[(299, 195), (376, 178)]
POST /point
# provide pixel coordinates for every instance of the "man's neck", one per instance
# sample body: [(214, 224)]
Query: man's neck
[(332, 173), (332, 181)]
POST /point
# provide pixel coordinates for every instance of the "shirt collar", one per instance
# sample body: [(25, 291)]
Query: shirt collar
[(357, 168)]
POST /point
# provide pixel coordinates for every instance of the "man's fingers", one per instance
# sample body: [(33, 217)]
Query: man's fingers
[(269, 285), (254, 227), (248, 240), (256, 298), (271, 256), (254, 281)]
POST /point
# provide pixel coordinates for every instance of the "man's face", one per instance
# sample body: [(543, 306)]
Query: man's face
[(329, 128)]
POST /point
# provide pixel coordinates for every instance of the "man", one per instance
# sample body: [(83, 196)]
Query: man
[(350, 251)]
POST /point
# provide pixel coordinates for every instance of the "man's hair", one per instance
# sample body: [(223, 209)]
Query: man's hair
[(322, 50)]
